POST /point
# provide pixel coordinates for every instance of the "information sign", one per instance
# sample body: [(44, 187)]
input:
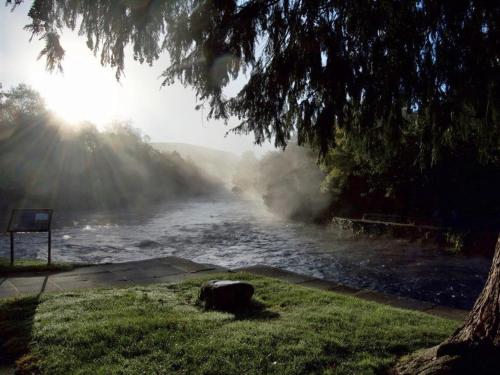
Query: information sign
[(29, 220)]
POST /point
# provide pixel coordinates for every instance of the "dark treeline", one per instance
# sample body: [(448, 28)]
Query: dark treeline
[(458, 188), (45, 162), (457, 191)]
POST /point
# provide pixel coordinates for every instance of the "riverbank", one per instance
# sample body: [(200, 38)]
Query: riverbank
[(471, 241), (174, 270), (160, 329)]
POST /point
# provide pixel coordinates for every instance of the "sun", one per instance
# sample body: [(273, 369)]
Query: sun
[(85, 91), (77, 102)]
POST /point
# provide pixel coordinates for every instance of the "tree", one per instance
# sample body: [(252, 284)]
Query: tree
[(43, 161), (474, 347), (312, 65), (22, 99), (370, 68)]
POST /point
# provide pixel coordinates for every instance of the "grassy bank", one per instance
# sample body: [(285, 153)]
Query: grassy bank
[(31, 266), (160, 330)]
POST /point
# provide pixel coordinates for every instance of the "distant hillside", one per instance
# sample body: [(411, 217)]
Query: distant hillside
[(217, 163)]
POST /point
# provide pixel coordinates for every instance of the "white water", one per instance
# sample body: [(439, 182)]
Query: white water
[(236, 233)]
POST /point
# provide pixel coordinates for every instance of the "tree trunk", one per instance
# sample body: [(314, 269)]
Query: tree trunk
[(482, 327), (474, 347)]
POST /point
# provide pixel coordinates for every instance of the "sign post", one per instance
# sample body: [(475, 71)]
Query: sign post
[(30, 220)]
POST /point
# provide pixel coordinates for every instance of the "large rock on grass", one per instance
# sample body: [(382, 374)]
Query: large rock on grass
[(226, 294)]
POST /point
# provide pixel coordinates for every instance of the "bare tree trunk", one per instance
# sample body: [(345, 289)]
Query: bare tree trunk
[(474, 347), (482, 327)]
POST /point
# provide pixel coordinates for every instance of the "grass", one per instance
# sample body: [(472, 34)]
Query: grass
[(31, 266), (161, 330)]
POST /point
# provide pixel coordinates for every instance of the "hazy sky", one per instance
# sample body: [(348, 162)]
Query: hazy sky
[(87, 91)]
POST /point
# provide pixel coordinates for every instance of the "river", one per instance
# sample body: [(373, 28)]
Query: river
[(236, 233)]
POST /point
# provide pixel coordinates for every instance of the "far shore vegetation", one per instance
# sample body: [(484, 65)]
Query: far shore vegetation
[(47, 162)]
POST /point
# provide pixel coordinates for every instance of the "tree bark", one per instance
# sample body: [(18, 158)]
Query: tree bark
[(475, 346)]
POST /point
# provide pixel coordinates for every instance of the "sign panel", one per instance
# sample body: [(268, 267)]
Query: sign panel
[(30, 220)]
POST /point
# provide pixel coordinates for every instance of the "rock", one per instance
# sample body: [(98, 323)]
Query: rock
[(226, 294)]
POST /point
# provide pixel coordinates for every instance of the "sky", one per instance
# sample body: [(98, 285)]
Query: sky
[(88, 91)]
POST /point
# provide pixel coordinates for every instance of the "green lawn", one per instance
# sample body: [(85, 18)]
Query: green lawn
[(160, 330), (31, 266)]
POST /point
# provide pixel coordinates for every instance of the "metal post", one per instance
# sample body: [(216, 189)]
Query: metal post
[(11, 248), (50, 246)]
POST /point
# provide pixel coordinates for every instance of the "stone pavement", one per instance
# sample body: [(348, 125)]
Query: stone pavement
[(174, 270), (169, 269)]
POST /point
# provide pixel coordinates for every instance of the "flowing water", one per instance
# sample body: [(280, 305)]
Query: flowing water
[(236, 233)]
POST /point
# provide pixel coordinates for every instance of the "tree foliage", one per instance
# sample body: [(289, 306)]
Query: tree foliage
[(457, 191), (372, 68), (45, 162)]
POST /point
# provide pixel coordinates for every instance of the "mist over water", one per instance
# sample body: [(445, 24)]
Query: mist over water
[(288, 182), (235, 232)]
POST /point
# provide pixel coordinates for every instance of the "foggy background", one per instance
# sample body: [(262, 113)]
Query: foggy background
[(88, 91)]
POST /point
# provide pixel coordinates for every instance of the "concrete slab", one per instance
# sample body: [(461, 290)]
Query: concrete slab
[(185, 264), (148, 273), (136, 275), (34, 285), (77, 285), (27, 281), (7, 290), (123, 266), (90, 270), (145, 279), (102, 277), (116, 283), (135, 264), (49, 287), (277, 273), (212, 268)]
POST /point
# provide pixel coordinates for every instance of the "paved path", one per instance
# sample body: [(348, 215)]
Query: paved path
[(170, 269), (174, 270)]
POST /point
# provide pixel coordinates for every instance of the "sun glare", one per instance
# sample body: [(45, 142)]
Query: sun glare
[(84, 92)]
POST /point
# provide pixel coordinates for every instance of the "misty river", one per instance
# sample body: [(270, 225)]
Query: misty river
[(236, 233)]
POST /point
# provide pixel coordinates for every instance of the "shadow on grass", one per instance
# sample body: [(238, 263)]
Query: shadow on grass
[(16, 329), (16, 325), (255, 311)]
